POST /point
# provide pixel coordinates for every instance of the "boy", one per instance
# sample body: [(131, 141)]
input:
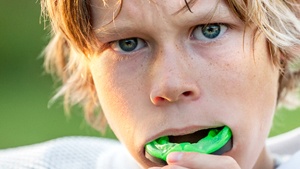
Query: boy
[(178, 69)]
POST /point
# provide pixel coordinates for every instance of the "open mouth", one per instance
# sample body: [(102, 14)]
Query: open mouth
[(191, 138), (208, 141)]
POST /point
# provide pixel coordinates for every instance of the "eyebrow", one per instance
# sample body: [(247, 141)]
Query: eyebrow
[(116, 29)]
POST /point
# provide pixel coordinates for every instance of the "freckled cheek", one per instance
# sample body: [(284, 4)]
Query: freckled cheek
[(117, 101), (107, 91), (256, 92), (246, 83)]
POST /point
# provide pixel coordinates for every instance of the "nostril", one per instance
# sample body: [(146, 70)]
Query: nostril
[(188, 93), (159, 99), (175, 95)]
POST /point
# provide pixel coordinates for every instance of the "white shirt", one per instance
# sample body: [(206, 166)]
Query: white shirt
[(69, 153), (101, 153), (286, 149)]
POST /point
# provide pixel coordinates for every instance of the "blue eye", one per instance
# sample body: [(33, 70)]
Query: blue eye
[(209, 32), (128, 45)]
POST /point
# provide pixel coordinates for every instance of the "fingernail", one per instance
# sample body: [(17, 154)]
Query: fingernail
[(174, 157)]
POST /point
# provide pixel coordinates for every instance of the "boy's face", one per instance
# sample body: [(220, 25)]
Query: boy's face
[(162, 73)]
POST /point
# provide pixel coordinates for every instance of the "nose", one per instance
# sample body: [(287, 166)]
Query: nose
[(173, 78)]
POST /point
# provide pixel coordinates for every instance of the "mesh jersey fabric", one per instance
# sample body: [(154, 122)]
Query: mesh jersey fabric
[(69, 153)]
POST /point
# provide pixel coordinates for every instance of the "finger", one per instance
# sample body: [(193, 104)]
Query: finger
[(174, 167), (199, 161), (169, 167)]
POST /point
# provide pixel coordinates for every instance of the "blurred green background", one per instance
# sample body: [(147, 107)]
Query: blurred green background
[(25, 89)]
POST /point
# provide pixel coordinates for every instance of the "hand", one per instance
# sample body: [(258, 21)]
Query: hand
[(198, 161)]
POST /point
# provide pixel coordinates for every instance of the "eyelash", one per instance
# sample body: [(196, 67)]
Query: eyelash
[(214, 39), (138, 42), (115, 45)]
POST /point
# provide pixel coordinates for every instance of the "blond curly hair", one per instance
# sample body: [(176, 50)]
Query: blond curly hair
[(73, 41)]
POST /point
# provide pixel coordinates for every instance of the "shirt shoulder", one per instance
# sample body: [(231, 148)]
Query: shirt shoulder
[(67, 152), (292, 163), (286, 149), (285, 144)]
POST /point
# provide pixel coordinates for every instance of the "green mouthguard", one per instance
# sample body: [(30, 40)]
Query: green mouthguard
[(215, 140)]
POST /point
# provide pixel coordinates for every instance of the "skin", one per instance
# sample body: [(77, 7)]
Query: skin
[(175, 83)]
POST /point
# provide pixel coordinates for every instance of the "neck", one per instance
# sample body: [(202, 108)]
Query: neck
[(265, 160)]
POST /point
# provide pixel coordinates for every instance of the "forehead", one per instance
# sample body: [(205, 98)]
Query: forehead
[(105, 12)]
